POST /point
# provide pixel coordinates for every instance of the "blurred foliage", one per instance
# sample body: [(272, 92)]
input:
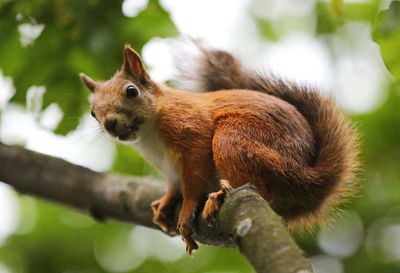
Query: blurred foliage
[(88, 36), (79, 36), (126, 158), (331, 15)]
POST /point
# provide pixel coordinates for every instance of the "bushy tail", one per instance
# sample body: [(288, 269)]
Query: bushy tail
[(336, 153)]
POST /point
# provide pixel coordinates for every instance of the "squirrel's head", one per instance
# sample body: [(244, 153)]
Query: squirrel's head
[(123, 103)]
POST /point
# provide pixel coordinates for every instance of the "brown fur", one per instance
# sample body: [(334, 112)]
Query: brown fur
[(289, 141)]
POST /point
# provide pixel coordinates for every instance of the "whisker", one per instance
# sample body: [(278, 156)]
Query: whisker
[(88, 141)]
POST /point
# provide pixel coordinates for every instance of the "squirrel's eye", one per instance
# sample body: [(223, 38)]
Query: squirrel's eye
[(93, 115), (131, 91)]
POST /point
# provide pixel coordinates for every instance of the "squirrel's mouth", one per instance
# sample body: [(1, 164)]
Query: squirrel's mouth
[(125, 137), (125, 131)]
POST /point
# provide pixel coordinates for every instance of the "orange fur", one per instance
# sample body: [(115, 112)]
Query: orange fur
[(293, 145)]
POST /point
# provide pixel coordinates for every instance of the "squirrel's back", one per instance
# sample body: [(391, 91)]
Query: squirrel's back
[(334, 161)]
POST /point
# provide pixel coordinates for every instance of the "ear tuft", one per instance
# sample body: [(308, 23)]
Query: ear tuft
[(91, 84), (133, 65)]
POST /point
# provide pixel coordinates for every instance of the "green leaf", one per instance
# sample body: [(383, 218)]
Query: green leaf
[(337, 8), (366, 12), (327, 22), (332, 15), (387, 34), (267, 29)]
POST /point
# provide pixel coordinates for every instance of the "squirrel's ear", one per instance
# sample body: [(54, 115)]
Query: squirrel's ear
[(91, 84), (133, 65)]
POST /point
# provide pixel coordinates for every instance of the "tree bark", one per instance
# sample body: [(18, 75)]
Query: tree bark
[(245, 220)]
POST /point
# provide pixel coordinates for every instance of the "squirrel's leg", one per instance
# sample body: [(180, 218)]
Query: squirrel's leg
[(196, 174), (163, 209), (186, 216), (215, 199)]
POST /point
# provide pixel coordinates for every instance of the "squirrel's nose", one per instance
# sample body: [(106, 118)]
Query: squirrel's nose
[(110, 124)]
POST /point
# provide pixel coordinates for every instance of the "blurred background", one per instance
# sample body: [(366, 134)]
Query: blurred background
[(350, 49)]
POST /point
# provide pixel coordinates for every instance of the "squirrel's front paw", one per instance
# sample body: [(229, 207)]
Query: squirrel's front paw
[(163, 216), (186, 231)]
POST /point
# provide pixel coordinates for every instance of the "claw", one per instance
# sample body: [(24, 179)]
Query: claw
[(225, 185), (163, 210), (190, 246), (155, 205), (186, 232), (213, 203), (162, 217)]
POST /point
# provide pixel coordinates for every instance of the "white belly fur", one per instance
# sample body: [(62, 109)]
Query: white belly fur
[(152, 148)]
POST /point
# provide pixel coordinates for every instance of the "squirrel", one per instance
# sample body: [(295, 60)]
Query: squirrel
[(288, 140)]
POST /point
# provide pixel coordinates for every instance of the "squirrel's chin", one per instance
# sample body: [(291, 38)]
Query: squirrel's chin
[(128, 139)]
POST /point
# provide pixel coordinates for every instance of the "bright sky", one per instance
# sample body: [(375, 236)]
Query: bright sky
[(354, 75)]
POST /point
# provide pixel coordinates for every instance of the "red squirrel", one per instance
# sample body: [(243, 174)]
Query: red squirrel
[(288, 140)]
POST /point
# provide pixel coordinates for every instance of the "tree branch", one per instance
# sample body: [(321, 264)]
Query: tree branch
[(245, 219)]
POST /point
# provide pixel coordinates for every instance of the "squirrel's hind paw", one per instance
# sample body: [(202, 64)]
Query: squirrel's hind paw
[(214, 201)]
